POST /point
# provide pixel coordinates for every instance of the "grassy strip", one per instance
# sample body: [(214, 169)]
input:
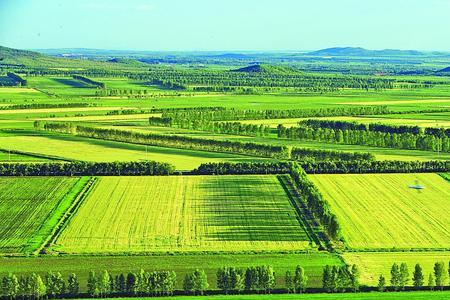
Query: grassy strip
[(347, 296), (56, 217)]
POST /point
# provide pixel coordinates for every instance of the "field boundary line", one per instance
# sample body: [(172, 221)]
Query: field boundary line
[(79, 198)]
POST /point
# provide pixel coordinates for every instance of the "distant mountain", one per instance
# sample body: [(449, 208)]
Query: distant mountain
[(357, 51), (9, 56), (445, 70), (261, 68)]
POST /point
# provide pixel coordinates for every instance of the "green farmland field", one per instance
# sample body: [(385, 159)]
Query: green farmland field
[(372, 264), (27, 218), (77, 148), (184, 213), (382, 211)]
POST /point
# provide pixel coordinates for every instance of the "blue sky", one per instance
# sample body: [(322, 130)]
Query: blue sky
[(225, 24)]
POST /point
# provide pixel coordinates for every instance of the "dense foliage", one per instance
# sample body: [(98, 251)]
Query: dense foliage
[(243, 114), (172, 141), (316, 204), (86, 168), (420, 141)]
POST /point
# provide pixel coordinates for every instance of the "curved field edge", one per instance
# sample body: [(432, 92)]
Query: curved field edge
[(48, 228)]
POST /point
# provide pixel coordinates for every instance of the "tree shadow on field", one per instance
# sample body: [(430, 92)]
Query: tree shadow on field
[(246, 212), (71, 82)]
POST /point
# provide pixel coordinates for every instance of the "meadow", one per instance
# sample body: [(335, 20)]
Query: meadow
[(382, 211), (184, 213), (348, 296), (27, 218), (313, 262)]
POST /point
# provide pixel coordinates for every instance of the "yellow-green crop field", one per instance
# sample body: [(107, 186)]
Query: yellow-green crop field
[(184, 213), (383, 211), (372, 264), (30, 208), (84, 149)]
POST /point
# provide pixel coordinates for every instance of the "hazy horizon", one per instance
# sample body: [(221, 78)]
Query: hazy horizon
[(232, 25)]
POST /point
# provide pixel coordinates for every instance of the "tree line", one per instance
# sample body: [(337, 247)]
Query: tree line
[(235, 128), (46, 105), (410, 141), (192, 143), (260, 279), (375, 127), (340, 278), (172, 141), (86, 80), (328, 167), (400, 277), (319, 208), (81, 168), (246, 114)]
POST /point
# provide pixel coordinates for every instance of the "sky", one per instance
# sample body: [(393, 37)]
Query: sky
[(225, 25)]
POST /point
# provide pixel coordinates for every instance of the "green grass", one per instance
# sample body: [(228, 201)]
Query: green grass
[(358, 296), (184, 213), (77, 148), (30, 207), (81, 265), (382, 211), (372, 264)]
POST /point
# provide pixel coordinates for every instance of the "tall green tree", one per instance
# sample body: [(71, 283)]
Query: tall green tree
[(105, 283), (10, 286), (395, 276), (381, 283), (403, 276), (289, 282), (440, 274), (431, 282), (38, 288), (300, 280), (418, 277), (55, 284), (73, 286), (93, 285), (354, 278), (327, 278)]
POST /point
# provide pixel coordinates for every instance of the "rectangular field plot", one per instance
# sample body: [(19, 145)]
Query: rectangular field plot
[(184, 213), (383, 211), (29, 209)]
